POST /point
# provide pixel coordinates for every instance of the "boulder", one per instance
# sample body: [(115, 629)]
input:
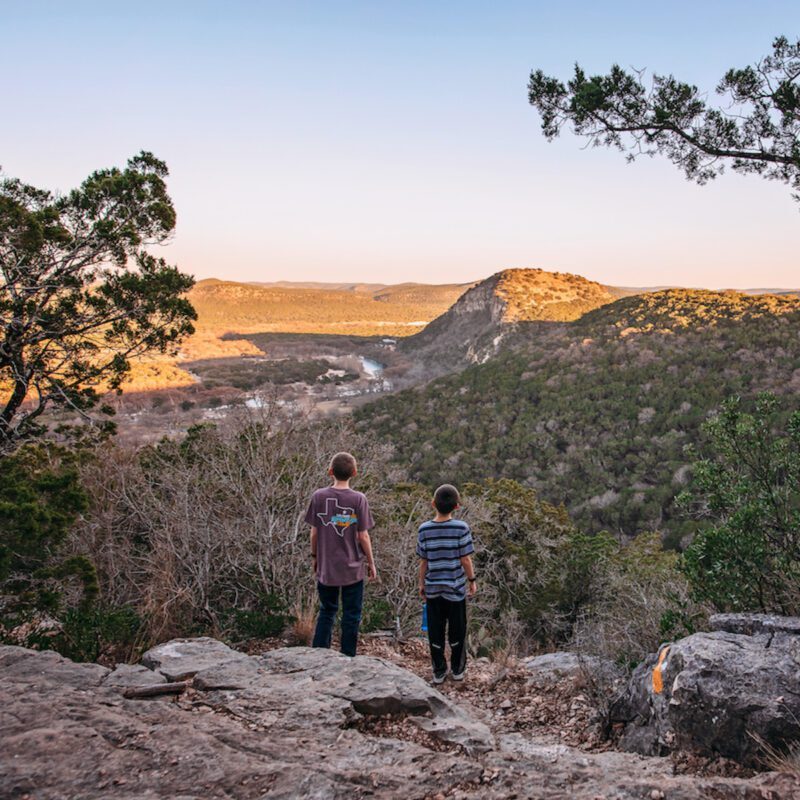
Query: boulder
[(180, 659), (716, 693), (39, 670)]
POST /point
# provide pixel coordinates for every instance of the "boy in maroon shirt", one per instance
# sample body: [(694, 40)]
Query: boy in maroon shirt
[(340, 521)]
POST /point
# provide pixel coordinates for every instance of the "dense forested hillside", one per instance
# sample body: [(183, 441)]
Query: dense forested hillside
[(597, 413)]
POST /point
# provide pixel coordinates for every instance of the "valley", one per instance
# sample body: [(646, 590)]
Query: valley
[(586, 393), (309, 349)]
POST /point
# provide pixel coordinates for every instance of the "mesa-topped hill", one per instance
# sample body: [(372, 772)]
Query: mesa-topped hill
[(535, 294), (355, 309), (482, 317)]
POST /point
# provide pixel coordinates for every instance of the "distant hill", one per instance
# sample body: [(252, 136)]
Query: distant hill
[(360, 309), (595, 413), (368, 288), (474, 327), (791, 292)]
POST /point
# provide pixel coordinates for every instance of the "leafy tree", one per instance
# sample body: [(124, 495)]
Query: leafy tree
[(79, 293), (748, 558), (756, 131), (533, 558)]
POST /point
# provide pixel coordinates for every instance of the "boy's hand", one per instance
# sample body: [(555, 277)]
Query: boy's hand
[(422, 591), (372, 573), (473, 588)]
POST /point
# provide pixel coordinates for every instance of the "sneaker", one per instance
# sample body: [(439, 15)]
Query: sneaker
[(437, 679), (458, 676)]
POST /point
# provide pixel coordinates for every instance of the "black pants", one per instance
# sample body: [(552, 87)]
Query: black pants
[(448, 616), (352, 600)]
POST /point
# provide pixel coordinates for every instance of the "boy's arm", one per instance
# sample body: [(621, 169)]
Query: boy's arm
[(469, 569), (366, 545), (423, 569), (314, 548)]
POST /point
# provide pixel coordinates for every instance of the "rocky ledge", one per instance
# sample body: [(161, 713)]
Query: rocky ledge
[(291, 723)]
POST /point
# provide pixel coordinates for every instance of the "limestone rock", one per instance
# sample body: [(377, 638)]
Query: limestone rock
[(40, 669), (126, 675), (180, 659), (755, 624), (287, 732), (377, 687), (559, 666), (712, 693)]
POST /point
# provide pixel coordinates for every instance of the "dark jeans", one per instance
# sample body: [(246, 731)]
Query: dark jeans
[(352, 599), (450, 616)]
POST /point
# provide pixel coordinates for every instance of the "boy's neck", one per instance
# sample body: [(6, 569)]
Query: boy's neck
[(337, 484), (442, 517)]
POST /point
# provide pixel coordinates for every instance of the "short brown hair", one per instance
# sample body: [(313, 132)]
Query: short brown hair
[(446, 498), (343, 466)]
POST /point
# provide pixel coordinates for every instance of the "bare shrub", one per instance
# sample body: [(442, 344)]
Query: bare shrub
[(642, 600), (301, 629), (187, 530), (207, 535), (535, 568), (786, 761)]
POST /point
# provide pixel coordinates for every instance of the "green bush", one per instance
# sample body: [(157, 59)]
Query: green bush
[(89, 632), (268, 618), (376, 614), (40, 498), (539, 570), (748, 487)]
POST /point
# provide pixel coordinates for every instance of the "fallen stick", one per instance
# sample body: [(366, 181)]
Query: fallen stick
[(155, 689)]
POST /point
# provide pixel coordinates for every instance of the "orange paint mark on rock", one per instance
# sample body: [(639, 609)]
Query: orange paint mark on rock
[(658, 678)]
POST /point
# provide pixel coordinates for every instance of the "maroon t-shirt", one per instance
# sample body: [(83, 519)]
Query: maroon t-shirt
[(338, 515)]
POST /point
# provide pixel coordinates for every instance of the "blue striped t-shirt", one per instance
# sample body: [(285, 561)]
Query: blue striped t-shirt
[(443, 545)]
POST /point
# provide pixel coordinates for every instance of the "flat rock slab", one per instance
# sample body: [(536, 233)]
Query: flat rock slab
[(181, 659), (47, 668), (285, 734), (325, 679)]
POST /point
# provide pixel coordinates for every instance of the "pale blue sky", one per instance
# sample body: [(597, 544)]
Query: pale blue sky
[(390, 141)]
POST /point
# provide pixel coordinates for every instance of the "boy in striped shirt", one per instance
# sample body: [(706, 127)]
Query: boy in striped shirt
[(446, 574)]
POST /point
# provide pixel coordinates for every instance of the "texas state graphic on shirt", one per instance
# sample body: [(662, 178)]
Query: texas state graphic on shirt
[(338, 517)]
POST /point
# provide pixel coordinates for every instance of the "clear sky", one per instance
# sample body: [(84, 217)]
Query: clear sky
[(391, 141)]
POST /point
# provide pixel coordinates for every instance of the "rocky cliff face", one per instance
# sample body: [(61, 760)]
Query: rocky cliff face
[(292, 723), (473, 329)]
